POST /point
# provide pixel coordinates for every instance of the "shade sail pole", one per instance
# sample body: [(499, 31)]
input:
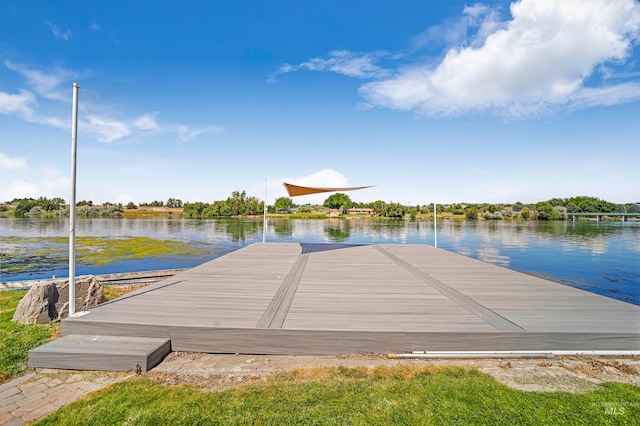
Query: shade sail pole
[(435, 227), (72, 203), (264, 222)]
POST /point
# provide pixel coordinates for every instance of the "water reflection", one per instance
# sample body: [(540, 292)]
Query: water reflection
[(492, 255), (239, 230), (337, 231), (283, 228)]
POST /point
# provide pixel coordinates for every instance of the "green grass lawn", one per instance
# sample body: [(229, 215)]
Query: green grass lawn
[(17, 339), (381, 396)]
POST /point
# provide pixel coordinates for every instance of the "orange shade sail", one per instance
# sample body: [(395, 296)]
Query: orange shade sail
[(295, 190)]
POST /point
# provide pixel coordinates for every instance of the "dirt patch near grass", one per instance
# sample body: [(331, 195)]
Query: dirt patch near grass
[(218, 372), (570, 374), (114, 291)]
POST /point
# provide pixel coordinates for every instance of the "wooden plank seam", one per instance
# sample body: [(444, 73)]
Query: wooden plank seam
[(277, 311), (490, 317)]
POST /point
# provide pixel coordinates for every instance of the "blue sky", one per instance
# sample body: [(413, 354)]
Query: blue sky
[(441, 101)]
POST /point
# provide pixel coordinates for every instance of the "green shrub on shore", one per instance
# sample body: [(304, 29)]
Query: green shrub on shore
[(308, 216)]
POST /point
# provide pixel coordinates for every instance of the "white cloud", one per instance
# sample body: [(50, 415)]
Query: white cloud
[(13, 163), (100, 124), (147, 121), (45, 83), (106, 129), (476, 11), (484, 20), (476, 23), (186, 134), (54, 122), (21, 103), (20, 189), (50, 184), (360, 65), (480, 18), (24, 105), (607, 95), (608, 73), (124, 199), (450, 33), (59, 34), (49, 172), (325, 178), (53, 187), (538, 61)]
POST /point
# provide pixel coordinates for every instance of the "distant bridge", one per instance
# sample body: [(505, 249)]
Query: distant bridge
[(599, 216)]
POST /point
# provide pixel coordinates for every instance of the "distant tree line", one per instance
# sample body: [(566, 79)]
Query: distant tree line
[(44, 207), (172, 203), (105, 210), (239, 204), (554, 209), (559, 208), (39, 207)]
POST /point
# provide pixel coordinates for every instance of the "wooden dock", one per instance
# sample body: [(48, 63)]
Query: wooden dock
[(290, 298)]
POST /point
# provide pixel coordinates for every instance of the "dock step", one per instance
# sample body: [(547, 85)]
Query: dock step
[(106, 353)]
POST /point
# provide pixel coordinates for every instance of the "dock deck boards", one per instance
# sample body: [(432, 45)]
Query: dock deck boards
[(290, 298)]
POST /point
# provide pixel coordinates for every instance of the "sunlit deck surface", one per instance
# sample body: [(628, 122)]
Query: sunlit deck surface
[(290, 298)]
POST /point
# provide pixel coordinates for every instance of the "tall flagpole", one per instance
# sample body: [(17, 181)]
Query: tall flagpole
[(72, 204), (435, 227), (264, 222)]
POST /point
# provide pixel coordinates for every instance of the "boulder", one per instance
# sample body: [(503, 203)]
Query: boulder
[(35, 307), (49, 301)]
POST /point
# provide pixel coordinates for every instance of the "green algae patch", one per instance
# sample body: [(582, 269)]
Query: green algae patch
[(100, 251), (35, 254)]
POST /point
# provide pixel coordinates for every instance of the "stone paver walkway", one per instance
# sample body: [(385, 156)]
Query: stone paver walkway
[(38, 394)]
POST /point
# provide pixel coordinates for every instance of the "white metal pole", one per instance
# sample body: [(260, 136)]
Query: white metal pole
[(511, 354), (72, 204), (264, 223), (435, 227)]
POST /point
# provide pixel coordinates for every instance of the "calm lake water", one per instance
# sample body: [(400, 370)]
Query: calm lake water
[(601, 257)]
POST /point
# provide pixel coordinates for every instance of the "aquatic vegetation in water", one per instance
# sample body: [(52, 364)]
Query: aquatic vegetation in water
[(34, 254)]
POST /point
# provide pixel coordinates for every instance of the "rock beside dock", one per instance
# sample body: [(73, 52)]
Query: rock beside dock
[(49, 301)]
